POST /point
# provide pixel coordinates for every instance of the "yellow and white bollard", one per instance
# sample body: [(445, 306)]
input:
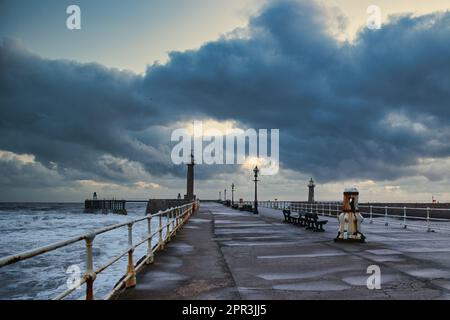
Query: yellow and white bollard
[(350, 219)]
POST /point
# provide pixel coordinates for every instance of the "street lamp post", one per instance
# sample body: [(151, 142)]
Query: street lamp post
[(232, 194), (220, 195), (256, 171), (225, 195)]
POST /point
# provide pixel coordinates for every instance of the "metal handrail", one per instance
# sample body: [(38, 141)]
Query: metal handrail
[(176, 218), (334, 207)]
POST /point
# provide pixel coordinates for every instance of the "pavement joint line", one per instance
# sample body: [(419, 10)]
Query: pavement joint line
[(425, 281), (224, 259)]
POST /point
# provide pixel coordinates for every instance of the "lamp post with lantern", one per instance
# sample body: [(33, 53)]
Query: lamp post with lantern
[(256, 172), (232, 194)]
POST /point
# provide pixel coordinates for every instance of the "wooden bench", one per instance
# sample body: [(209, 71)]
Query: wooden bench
[(287, 215), (313, 222), (246, 207), (298, 218)]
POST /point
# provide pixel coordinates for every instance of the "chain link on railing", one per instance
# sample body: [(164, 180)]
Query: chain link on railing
[(175, 219)]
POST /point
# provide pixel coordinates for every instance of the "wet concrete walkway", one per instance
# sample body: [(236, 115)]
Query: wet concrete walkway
[(227, 254)]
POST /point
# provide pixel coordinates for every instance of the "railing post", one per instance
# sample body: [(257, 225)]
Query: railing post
[(371, 214), (174, 220), (329, 209), (149, 242), (161, 243), (168, 226), (131, 272), (428, 220), (404, 218), (90, 274), (386, 216), (323, 209)]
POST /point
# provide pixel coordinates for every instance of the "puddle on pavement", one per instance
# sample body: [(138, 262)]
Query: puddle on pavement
[(307, 275), (244, 225), (313, 286), (362, 280), (252, 244), (387, 259), (160, 280), (198, 220), (383, 251), (182, 248), (307, 255), (427, 250), (429, 273), (191, 227), (442, 283)]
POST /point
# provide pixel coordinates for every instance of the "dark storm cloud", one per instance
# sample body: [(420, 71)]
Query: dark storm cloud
[(369, 109), (73, 114)]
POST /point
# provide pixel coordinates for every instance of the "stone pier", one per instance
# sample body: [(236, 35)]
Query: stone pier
[(227, 254)]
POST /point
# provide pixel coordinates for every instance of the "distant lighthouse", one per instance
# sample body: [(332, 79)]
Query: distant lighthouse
[(311, 187), (190, 179)]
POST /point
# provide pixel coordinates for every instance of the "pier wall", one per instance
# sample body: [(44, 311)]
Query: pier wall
[(105, 206), (155, 205)]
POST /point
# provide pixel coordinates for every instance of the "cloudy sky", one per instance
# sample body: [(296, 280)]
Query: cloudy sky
[(93, 109)]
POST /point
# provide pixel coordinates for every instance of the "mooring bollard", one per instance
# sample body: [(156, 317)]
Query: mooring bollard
[(90, 274), (131, 272)]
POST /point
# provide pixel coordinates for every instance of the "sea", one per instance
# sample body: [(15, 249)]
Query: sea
[(26, 226)]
